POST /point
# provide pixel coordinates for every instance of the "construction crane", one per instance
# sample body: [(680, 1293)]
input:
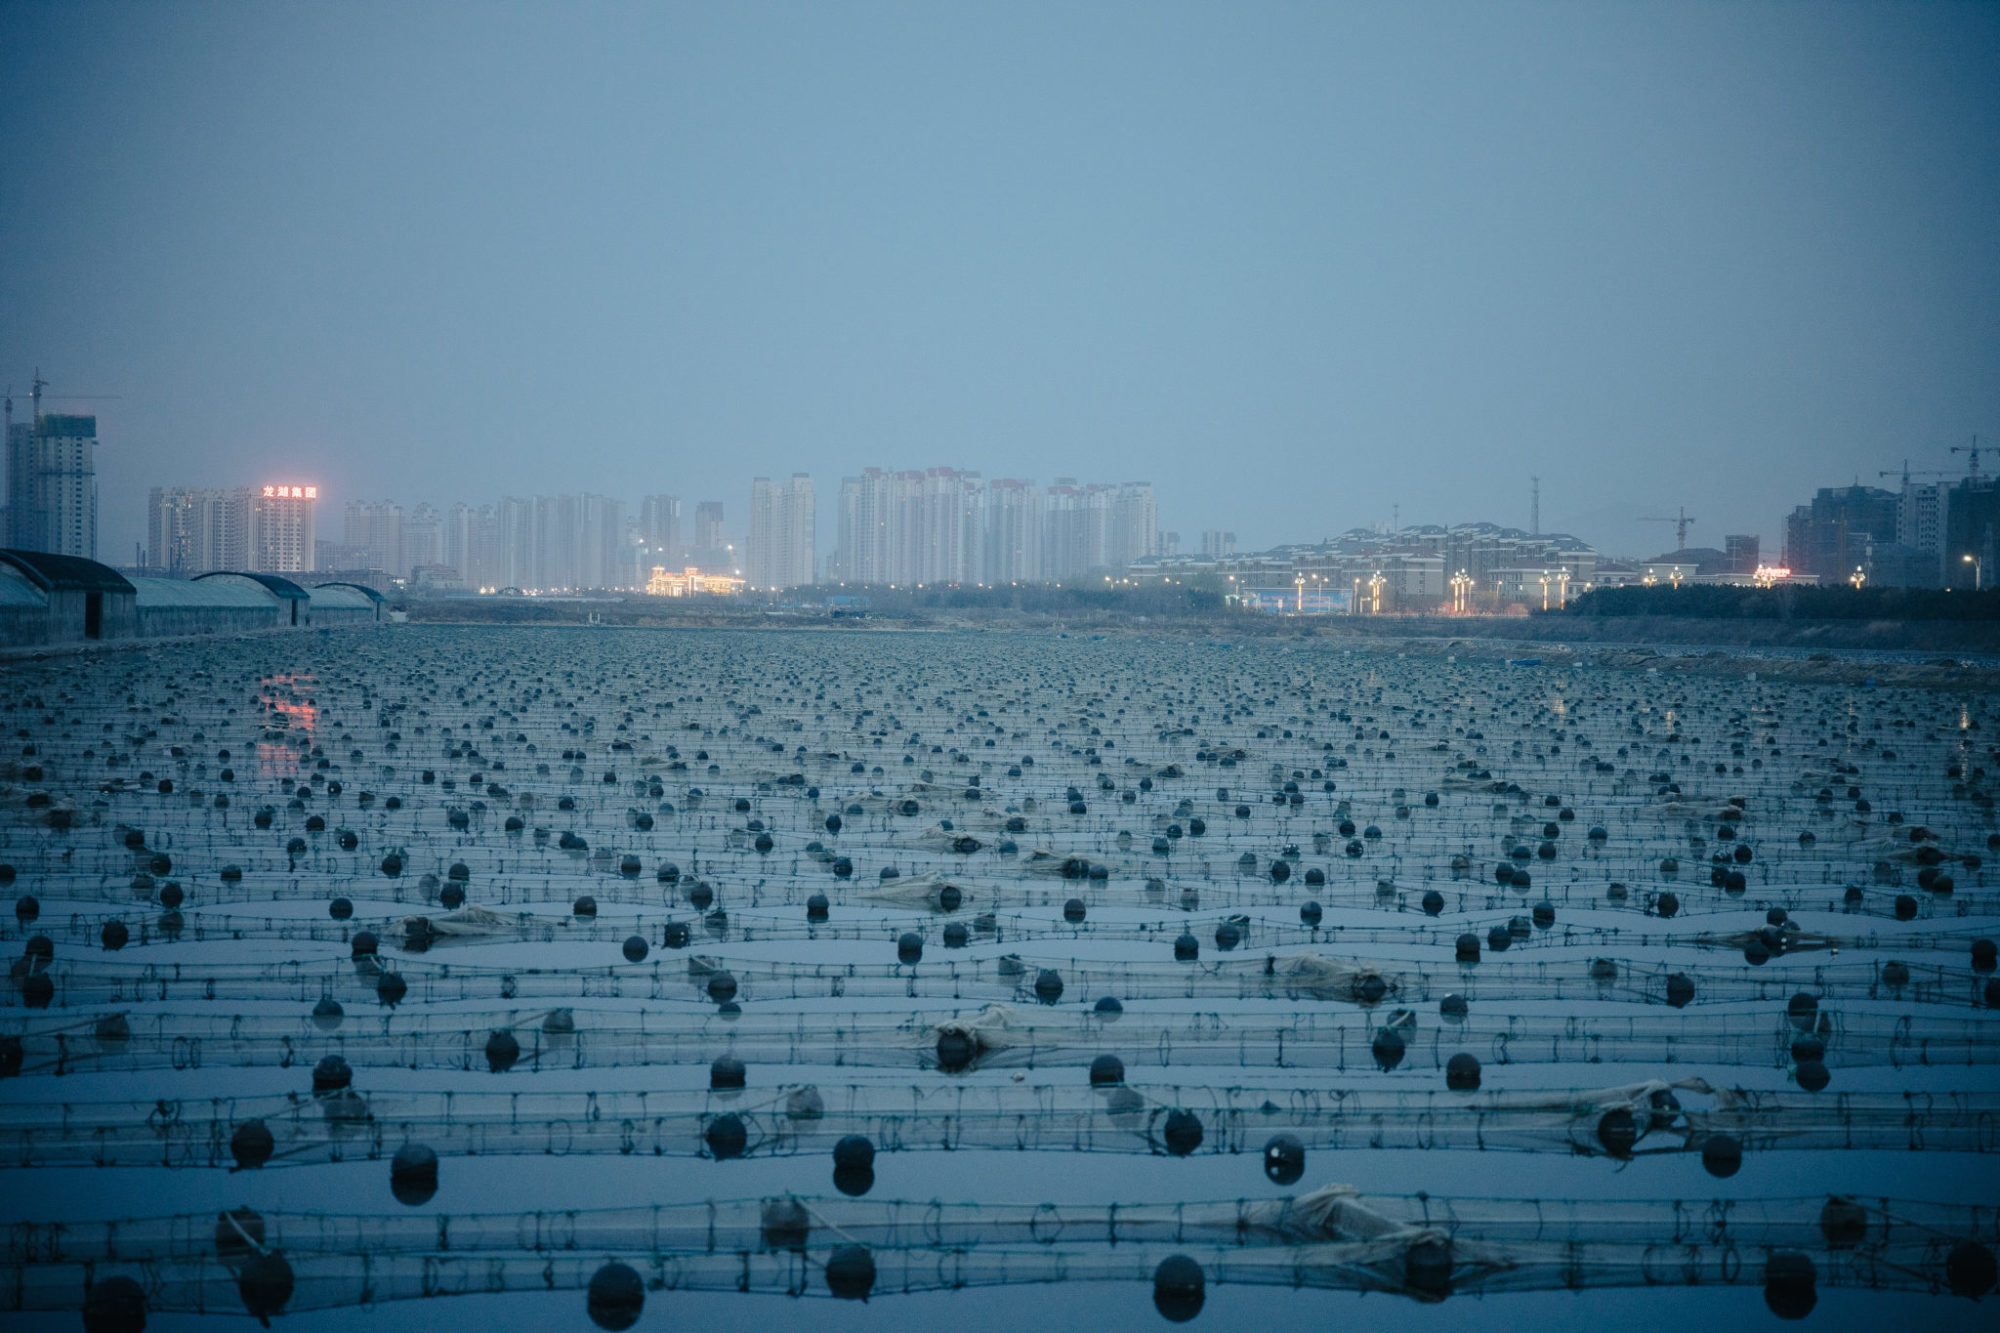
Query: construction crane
[(1971, 451), (36, 395), (1680, 527), (1906, 474)]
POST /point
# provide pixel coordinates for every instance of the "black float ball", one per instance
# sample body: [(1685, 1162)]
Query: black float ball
[(726, 1137), (909, 947), (954, 1050), (1433, 902), (340, 909), (1461, 1072), (635, 948), (251, 1145), (1106, 1070), (502, 1050), (1791, 1287), (1182, 1133), (850, 1273), (265, 1284), (331, 1074), (114, 1305), (727, 1072), (1812, 1075), (854, 1153), (1387, 1048), (1680, 990), (1618, 1132), (1970, 1270), (413, 1174), (1843, 1223), (1284, 1159), (1722, 1156), (786, 1224), (615, 1297), (1180, 1288)]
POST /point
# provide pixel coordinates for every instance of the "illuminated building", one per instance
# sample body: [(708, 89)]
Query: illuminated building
[(281, 530), (691, 582)]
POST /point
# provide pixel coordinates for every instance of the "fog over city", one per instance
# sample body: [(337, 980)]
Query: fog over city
[(1302, 268)]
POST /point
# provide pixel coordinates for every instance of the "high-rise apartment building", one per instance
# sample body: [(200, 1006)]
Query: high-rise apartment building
[(1838, 532), (1073, 528), (281, 530), (944, 525), (52, 485), (801, 544), (423, 539), (375, 530), (514, 559), (782, 532), (708, 534), (1744, 551), (261, 529), (660, 526), (1133, 526), (1013, 532), (195, 530), (1217, 542)]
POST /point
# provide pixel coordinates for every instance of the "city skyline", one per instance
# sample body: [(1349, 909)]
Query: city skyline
[(1336, 260), (225, 523)]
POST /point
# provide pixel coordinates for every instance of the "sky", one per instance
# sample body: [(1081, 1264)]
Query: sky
[(1302, 266)]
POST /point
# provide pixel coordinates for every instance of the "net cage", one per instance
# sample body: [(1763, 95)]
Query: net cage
[(1205, 901)]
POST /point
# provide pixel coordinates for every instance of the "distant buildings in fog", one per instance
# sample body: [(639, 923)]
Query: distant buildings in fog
[(258, 529), (1938, 535), (1468, 567), (944, 525), (781, 552)]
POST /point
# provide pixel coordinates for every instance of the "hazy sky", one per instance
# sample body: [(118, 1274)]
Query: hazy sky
[(1295, 264)]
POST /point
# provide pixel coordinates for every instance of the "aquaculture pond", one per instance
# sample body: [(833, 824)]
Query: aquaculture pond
[(584, 977)]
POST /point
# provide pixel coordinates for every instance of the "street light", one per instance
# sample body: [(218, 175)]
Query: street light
[(1857, 578), (1975, 572), (1461, 591)]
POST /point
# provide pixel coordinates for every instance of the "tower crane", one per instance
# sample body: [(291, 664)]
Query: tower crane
[(1971, 452), (36, 395), (1680, 526), (1906, 474)]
